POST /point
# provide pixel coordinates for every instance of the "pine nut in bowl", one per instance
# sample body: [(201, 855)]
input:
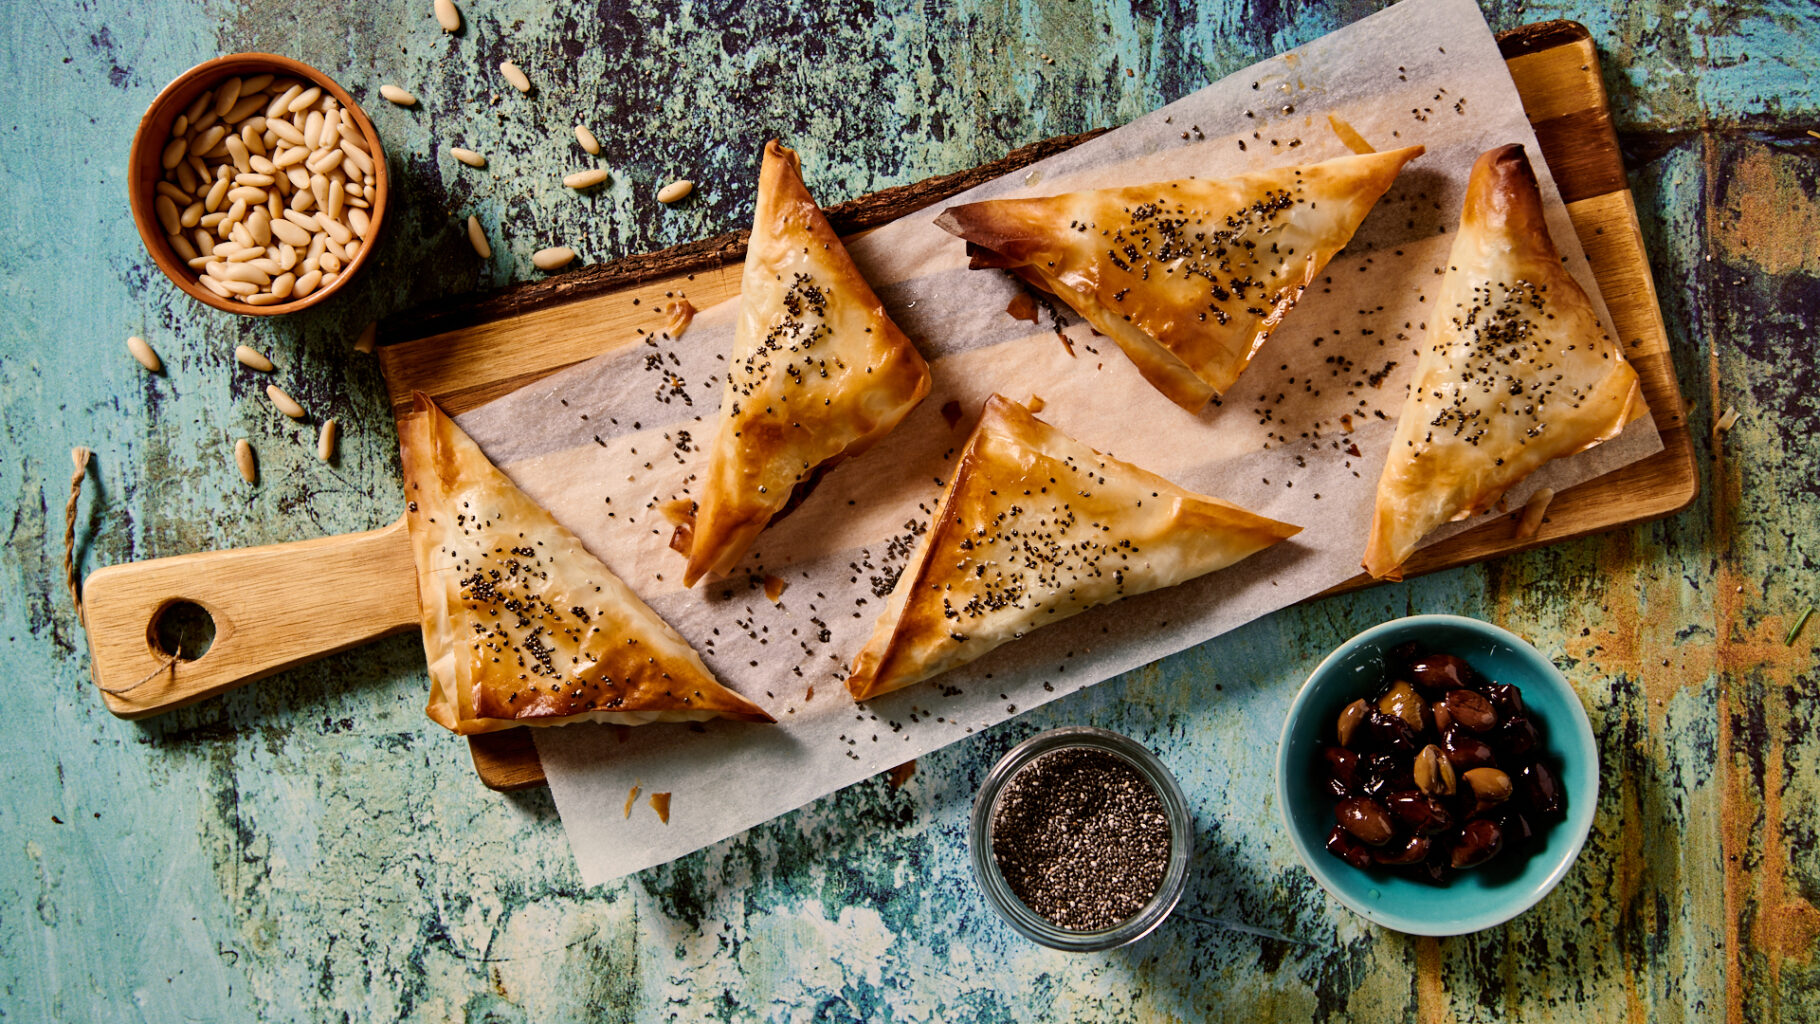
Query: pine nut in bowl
[(257, 184)]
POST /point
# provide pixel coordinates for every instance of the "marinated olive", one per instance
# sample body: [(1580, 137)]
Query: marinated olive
[(1343, 774), (1504, 698), (1541, 789), (1404, 702), (1479, 841), (1470, 709), (1389, 733), (1413, 851), (1419, 812), (1344, 845), (1515, 737), (1465, 750), (1439, 673), (1433, 773), (1365, 818), (1401, 778), (1436, 771), (1517, 829), (1490, 787), (1378, 770), (1350, 717)]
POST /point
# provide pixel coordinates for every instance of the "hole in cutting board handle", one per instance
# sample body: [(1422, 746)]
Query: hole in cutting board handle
[(182, 626)]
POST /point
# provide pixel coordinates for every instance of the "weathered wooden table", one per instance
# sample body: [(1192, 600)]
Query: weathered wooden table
[(311, 848)]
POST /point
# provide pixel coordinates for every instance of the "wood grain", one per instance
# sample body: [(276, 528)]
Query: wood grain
[(274, 607), (1565, 101), (507, 760)]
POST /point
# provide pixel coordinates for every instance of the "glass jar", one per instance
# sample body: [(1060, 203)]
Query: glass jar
[(1028, 922)]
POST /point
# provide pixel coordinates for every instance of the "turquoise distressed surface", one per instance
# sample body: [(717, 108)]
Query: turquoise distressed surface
[(312, 849)]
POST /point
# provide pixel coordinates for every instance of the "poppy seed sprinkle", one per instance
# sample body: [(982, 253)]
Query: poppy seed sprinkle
[(1081, 837)]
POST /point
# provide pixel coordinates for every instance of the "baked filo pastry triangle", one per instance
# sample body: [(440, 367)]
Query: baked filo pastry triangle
[(1034, 527), (818, 372), (1189, 277), (521, 624), (1517, 370)]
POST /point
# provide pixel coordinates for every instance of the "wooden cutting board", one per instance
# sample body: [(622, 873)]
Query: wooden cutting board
[(468, 353)]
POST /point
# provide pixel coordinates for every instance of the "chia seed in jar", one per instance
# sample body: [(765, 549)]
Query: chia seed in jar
[(1082, 838)]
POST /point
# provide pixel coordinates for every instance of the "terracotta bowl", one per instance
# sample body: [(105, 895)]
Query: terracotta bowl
[(146, 169)]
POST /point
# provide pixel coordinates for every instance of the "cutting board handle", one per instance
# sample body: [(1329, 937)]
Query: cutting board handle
[(273, 607)]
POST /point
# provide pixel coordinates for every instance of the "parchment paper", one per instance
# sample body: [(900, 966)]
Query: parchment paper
[(1300, 438)]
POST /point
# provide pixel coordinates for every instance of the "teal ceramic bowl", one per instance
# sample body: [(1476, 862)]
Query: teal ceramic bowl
[(1471, 900)]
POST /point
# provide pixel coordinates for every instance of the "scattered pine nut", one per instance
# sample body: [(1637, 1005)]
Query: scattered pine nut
[(447, 16), (554, 258), (369, 336), (585, 179), (587, 140), (675, 191), (467, 156), (325, 441), (143, 352), (390, 92), (1725, 422), (251, 357), (515, 75), (284, 403), (243, 457), (1533, 511), (477, 237)]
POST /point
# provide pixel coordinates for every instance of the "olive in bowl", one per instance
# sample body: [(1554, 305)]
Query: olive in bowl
[(1438, 795)]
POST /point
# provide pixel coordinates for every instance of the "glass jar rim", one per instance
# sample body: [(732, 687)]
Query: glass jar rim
[(1028, 922)]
